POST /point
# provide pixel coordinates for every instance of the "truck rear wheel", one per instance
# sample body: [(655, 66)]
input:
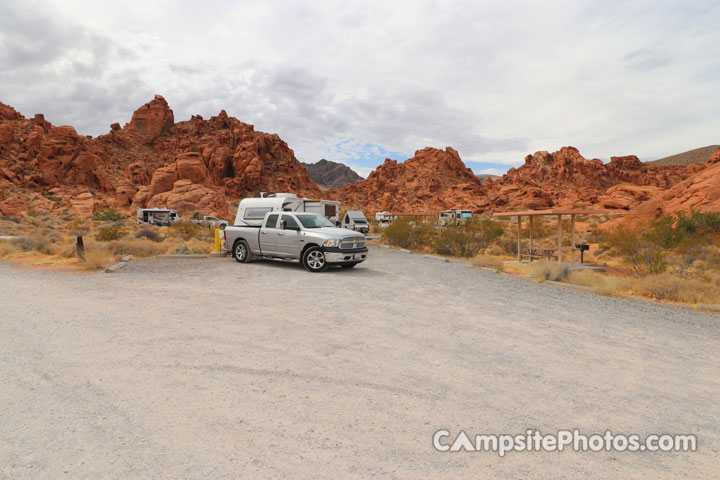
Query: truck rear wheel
[(313, 260), (241, 252)]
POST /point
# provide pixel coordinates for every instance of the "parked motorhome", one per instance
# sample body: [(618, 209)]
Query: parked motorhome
[(355, 220), (157, 216), (251, 211), (453, 217)]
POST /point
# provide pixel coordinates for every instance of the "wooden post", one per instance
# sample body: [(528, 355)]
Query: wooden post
[(560, 233), (519, 239), (572, 247), (80, 247), (530, 219)]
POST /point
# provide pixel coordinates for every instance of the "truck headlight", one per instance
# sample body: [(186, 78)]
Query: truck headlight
[(331, 242)]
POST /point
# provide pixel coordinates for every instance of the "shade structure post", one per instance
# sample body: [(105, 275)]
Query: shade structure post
[(530, 219), (573, 246), (518, 238), (559, 246)]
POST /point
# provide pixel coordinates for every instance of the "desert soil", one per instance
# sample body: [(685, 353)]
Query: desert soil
[(212, 369)]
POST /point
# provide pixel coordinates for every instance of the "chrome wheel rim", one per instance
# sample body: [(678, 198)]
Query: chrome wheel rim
[(240, 251), (316, 260)]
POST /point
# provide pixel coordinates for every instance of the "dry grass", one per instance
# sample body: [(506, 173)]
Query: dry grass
[(606, 284), (676, 289), (193, 247), (97, 259), (7, 249), (557, 272), (139, 247), (488, 261)]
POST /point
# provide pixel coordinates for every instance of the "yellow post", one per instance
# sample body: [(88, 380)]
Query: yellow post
[(217, 240)]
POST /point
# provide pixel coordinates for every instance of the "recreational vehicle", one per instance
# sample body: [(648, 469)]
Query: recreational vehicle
[(453, 217), (251, 211), (157, 216)]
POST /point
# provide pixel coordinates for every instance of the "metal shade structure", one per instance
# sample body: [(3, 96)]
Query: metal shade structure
[(559, 213)]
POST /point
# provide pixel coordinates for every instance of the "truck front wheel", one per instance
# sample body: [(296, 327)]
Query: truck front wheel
[(313, 260), (241, 252)]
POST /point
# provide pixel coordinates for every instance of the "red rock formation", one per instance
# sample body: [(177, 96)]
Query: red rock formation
[(567, 179), (431, 180), (151, 120), (191, 165), (700, 191)]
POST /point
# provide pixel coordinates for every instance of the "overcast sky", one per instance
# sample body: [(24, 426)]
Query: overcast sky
[(358, 81)]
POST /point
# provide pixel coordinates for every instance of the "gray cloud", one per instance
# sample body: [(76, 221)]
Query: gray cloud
[(494, 80)]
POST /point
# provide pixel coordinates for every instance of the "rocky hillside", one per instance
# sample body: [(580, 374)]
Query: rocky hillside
[(152, 161), (330, 175), (699, 191), (567, 179), (431, 180), (698, 155)]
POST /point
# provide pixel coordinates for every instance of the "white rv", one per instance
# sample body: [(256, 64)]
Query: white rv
[(384, 218), (251, 211), (454, 217), (157, 216), (355, 220)]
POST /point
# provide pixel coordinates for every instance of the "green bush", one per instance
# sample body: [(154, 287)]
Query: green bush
[(408, 232), (644, 256), (468, 239), (109, 215), (113, 232)]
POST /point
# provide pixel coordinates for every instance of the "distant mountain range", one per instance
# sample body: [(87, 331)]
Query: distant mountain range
[(330, 174), (698, 155)]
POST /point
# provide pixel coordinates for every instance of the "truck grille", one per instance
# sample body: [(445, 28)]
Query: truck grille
[(352, 242)]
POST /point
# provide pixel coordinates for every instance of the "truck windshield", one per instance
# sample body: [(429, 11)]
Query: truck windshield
[(314, 221)]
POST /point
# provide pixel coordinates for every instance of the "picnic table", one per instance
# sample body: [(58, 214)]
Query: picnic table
[(537, 253)]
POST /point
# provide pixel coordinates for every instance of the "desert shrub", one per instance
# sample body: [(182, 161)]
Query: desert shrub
[(468, 239), (139, 247), (113, 232), (188, 249), (78, 227), (108, 215), (98, 258), (32, 213), (557, 272), (32, 243), (10, 219), (489, 262), (509, 246), (642, 255), (149, 234), (673, 288), (187, 230), (7, 248), (408, 232)]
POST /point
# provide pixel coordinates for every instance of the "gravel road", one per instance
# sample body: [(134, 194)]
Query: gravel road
[(206, 368)]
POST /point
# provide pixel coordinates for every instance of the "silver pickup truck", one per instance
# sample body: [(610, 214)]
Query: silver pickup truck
[(308, 237)]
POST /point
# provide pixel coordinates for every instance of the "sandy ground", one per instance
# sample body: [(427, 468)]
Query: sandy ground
[(213, 369)]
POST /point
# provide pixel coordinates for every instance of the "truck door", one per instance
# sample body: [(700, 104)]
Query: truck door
[(289, 239), (269, 235)]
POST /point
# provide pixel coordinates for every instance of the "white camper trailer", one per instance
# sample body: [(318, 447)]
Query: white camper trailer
[(251, 211), (157, 216), (355, 220)]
